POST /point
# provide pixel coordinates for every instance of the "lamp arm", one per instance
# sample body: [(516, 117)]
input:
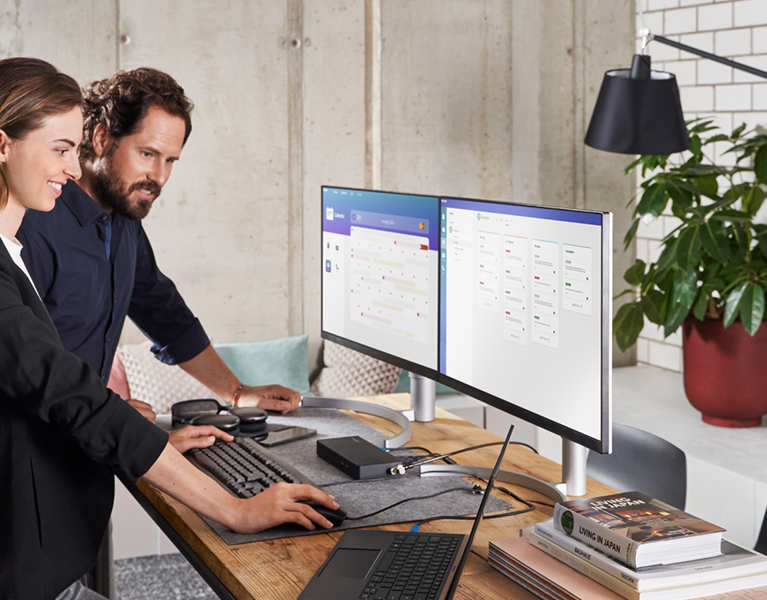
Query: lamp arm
[(708, 55)]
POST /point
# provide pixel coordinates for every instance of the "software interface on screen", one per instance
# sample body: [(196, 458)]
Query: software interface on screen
[(380, 272), (521, 297)]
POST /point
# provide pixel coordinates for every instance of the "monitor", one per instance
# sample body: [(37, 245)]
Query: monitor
[(380, 281), (525, 319)]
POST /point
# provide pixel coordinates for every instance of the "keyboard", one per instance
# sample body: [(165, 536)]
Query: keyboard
[(244, 467), (414, 567)]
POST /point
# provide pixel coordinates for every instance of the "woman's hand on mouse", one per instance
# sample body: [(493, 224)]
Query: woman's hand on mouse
[(196, 436), (269, 397), (283, 503)]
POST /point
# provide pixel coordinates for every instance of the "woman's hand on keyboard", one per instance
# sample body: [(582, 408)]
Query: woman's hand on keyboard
[(284, 503), (196, 436)]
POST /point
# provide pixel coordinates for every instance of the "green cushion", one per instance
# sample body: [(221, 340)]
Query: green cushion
[(284, 361), (404, 386)]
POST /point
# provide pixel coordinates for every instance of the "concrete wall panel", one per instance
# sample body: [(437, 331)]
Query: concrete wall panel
[(77, 37), (446, 89), (334, 127), (221, 228)]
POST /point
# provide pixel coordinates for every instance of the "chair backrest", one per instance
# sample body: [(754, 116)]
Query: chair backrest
[(761, 541), (643, 462)]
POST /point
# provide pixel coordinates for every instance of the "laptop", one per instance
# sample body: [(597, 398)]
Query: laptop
[(382, 565)]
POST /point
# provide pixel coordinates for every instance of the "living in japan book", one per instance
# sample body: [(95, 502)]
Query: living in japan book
[(638, 530), (734, 562)]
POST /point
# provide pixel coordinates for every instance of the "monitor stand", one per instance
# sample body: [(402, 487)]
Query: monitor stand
[(574, 458), (423, 397)]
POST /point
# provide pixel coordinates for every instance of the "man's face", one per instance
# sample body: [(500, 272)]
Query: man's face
[(135, 168)]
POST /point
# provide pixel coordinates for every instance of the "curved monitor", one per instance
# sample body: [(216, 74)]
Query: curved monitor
[(380, 271), (525, 322)]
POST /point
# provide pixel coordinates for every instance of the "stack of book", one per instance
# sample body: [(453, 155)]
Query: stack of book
[(571, 558)]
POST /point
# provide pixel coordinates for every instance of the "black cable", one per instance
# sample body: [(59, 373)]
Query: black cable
[(458, 489), (528, 508)]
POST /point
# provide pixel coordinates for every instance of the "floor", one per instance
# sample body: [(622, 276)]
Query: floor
[(166, 577)]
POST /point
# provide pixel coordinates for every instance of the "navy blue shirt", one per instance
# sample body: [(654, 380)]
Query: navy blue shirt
[(92, 269)]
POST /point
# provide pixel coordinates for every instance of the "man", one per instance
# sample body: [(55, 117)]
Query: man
[(90, 257)]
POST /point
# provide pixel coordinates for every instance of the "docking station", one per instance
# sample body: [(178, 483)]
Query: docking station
[(356, 457)]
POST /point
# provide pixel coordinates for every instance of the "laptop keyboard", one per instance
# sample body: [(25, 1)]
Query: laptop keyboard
[(414, 567), (243, 467)]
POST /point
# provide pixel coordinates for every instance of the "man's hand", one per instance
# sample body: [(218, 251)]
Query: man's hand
[(196, 436), (283, 503), (270, 397), (144, 408)]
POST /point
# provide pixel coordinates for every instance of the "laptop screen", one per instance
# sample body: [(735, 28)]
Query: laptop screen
[(478, 519)]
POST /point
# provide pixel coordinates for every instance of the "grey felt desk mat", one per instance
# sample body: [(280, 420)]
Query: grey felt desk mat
[(359, 498)]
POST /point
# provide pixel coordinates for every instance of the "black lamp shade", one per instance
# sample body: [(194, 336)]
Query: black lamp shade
[(638, 115)]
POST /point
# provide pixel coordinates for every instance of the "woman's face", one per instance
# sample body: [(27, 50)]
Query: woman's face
[(38, 165)]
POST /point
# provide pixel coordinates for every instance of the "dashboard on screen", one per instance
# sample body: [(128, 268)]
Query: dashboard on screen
[(525, 313), (380, 289)]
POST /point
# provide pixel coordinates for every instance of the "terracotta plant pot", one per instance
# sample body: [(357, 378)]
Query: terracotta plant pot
[(725, 372)]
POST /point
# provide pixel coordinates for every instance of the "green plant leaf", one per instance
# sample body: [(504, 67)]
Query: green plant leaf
[(738, 130), (733, 216), (719, 137), (701, 127), (630, 234), (668, 256), (752, 307), (653, 200), (678, 194), (683, 294), (688, 248), (760, 165), (635, 273), (732, 306), (627, 325), (753, 200), (652, 305), (715, 241), (761, 238), (709, 185), (695, 144), (632, 166), (700, 305)]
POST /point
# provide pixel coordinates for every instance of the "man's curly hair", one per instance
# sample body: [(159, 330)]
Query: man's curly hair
[(121, 102)]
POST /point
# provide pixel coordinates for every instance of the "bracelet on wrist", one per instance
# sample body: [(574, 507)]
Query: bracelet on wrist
[(236, 395)]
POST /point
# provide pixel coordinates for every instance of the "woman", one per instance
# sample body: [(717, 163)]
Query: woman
[(62, 433)]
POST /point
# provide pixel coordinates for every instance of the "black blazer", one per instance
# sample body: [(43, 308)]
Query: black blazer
[(62, 436)]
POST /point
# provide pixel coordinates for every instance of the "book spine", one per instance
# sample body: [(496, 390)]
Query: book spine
[(583, 552), (589, 570), (598, 536)]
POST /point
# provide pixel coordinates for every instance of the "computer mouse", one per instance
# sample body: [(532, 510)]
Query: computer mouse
[(336, 516)]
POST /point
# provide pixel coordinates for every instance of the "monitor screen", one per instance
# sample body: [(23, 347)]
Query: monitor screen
[(380, 272), (525, 295)]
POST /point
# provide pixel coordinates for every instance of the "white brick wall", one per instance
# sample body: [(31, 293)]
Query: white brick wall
[(735, 29)]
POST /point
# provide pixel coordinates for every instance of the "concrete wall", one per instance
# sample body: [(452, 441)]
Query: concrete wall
[(482, 99)]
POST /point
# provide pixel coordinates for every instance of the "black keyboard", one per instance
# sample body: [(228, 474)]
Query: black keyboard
[(244, 467), (414, 567)]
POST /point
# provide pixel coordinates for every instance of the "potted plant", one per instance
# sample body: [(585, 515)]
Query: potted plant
[(711, 275)]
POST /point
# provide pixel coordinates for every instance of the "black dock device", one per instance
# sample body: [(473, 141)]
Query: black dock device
[(356, 457)]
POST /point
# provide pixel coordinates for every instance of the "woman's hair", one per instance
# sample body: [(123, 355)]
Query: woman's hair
[(30, 91), (121, 102)]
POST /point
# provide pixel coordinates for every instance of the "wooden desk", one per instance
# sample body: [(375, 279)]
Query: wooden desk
[(279, 569)]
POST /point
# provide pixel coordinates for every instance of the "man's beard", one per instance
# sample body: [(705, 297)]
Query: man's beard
[(112, 192)]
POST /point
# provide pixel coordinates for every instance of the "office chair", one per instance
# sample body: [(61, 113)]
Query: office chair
[(643, 462), (761, 541)]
